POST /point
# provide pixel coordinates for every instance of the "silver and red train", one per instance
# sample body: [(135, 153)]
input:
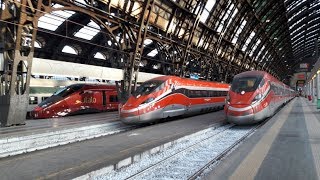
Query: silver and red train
[(170, 96), (77, 99), (254, 96)]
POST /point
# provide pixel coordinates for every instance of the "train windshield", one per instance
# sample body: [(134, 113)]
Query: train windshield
[(60, 94), (246, 84), (66, 91), (148, 87)]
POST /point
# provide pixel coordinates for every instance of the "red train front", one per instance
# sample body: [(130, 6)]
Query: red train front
[(77, 99), (170, 96), (254, 96)]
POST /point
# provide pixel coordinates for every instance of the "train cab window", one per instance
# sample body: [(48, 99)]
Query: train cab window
[(262, 82), (113, 98), (148, 87), (245, 83), (66, 91), (44, 98), (33, 100)]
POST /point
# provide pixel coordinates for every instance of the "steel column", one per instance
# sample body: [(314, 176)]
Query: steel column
[(18, 32), (132, 68)]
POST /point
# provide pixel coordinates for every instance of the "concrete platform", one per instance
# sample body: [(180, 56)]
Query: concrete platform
[(44, 133), (76, 159), (286, 147), (44, 125)]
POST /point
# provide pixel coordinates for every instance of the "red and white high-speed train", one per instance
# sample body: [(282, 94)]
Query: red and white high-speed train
[(169, 96), (77, 99), (254, 96)]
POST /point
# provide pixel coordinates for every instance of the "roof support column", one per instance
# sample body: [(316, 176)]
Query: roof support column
[(192, 29), (132, 68), (18, 33)]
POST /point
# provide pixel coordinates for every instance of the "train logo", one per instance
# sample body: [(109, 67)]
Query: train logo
[(87, 100)]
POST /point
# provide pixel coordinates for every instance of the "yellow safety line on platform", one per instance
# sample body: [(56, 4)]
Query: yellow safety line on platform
[(313, 126), (250, 165)]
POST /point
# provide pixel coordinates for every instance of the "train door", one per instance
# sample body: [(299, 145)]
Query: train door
[(104, 101), (272, 100), (113, 101)]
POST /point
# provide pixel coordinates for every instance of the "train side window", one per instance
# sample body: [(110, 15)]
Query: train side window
[(33, 100), (113, 98), (44, 98), (204, 94), (225, 93), (198, 94)]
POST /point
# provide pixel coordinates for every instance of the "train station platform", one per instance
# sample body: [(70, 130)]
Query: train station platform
[(286, 147), (45, 133)]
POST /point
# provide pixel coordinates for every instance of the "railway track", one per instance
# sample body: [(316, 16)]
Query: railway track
[(188, 157), (223, 154)]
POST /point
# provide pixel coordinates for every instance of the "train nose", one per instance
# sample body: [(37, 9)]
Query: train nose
[(130, 116), (36, 112), (240, 115)]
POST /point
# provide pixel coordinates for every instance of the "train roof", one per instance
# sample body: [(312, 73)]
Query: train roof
[(94, 85), (253, 73), (191, 82)]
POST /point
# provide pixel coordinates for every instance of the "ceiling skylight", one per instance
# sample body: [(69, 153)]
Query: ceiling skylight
[(153, 53), (99, 55), (89, 31), (69, 50), (55, 19)]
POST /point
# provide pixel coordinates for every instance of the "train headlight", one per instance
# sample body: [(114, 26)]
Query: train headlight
[(147, 101), (257, 98)]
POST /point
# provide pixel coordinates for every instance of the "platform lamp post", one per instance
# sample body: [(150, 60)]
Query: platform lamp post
[(318, 90), (317, 73), (311, 90), (314, 90)]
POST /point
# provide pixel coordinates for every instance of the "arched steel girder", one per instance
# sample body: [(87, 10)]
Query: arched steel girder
[(235, 24), (216, 17), (298, 17), (297, 8), (265, 13), (295, 35)]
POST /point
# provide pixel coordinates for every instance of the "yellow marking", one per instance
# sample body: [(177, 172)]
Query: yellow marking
[(251, 164), (313, 127), (78, 102)]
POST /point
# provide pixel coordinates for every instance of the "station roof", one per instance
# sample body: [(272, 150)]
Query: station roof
[(212, 39)]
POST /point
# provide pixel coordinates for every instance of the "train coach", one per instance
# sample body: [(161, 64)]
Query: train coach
[(170, 96), (254, 96), (77, 99)]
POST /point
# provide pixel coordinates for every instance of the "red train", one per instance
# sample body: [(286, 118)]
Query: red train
[(254, 96), (169, 96), (77, 99)]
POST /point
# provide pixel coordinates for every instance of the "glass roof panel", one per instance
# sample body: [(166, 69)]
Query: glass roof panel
[(69, 49), (153, 53), (99, 55), (89, 31), (55, 19)]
